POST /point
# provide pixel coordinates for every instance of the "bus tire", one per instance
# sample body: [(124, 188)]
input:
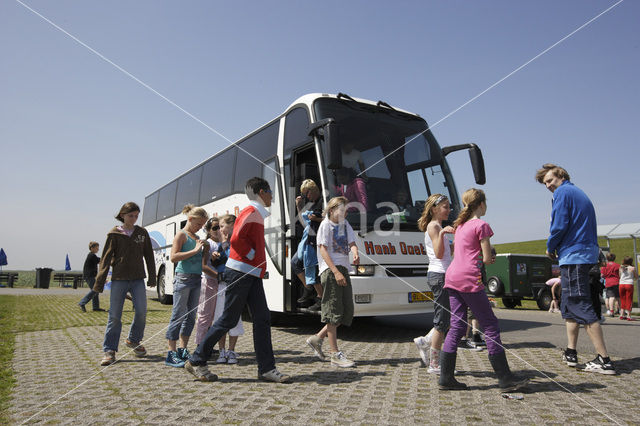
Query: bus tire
[(163, 297), (495, 286)]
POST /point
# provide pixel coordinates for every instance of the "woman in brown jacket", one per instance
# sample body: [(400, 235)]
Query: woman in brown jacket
[(124, 250)]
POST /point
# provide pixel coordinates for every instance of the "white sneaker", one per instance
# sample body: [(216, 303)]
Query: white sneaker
[(275, 376), (315, 343), (340, 360), (423, 348), (232, 357), (433, 370), (222, 359)]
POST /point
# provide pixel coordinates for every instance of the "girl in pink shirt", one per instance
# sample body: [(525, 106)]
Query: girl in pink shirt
[(463, 281)]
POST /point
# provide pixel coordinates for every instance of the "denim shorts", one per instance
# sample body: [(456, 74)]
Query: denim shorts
[(442, 315), (577, 303)]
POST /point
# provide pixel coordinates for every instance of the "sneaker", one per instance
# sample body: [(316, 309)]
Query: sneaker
[(599, 365), (315, 343), (183, 353), (622, 318), (82, 308), (316, 306), (201, 372), (222, 358), (232, 357), (274, 376), (108, 358), (340, 360), (477, 341), (570, 358), (173, 360), (423, 348), (467, 344), (433, 370), (138, 349)]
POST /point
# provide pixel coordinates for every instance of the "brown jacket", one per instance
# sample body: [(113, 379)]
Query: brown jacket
[(124, 255)]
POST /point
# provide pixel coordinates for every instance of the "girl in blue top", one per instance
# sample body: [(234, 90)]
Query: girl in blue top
[(187, 252)]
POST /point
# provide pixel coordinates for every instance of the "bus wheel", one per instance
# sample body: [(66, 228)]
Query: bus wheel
[(510, 303), (495, 286), (163, 297), (544, 299)]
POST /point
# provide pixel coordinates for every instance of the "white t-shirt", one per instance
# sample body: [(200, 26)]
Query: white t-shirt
[(336, 237), (435, 264)]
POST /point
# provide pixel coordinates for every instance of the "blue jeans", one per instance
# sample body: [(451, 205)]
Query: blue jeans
[(186, 294), (242, 289), (114, 325), (92, 295)]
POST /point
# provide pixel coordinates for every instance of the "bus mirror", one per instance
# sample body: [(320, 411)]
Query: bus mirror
[(328, 129), (477, 164), (475, 155)]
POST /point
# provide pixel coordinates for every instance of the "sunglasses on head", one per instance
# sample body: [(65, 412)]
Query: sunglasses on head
[(215, 228)]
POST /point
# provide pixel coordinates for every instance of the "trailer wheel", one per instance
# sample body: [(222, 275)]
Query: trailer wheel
[(510, 303), (544, 299), (163, 297), (495, 286)]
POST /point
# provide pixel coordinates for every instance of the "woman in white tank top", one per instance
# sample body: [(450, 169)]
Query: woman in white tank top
[(628, 275), (436, 210)]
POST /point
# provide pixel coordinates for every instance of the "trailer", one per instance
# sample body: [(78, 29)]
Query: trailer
[(516, 277)]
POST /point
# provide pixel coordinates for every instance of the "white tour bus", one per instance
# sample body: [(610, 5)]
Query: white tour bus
[(310, 140)]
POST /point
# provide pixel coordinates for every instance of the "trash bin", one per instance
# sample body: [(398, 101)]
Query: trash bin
[(43, 277)]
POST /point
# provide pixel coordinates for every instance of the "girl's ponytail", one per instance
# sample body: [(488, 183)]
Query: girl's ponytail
[(472, 198)]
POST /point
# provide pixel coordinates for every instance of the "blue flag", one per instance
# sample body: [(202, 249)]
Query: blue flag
[(67, 265), (3, 257)]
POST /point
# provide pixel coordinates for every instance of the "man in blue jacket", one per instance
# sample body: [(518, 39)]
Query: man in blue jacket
[(573, 240)]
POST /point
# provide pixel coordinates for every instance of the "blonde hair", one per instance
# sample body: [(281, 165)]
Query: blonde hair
[(333, 203), (308, 185), (427, 214), (558, 172), (92, 244), (228, 219), (472, 198), (192, 211)]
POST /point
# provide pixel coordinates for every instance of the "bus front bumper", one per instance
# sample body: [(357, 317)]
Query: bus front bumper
[(375, 296)]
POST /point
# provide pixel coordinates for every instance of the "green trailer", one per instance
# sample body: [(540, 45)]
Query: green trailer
[(515, 277)]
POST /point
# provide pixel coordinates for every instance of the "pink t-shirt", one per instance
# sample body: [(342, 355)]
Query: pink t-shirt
[(465, 272)]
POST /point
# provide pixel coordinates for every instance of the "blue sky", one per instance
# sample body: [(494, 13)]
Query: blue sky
[(78, 137)]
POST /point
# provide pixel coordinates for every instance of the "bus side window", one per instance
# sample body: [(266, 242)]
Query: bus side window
[(252, 152)]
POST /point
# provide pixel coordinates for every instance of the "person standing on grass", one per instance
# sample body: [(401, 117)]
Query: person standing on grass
[(335, 240), (244, 270), (209, 284), (436, 209), (464, 282), (186, 251), (573, 240), (89, 272), (628, 276), (126, 247)]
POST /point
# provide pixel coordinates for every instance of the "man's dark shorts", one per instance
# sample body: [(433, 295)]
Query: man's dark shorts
[(442, 316), (613, 291), (577, 303)]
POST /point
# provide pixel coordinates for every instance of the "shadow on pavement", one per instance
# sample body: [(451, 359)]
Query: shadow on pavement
[(627, 366)]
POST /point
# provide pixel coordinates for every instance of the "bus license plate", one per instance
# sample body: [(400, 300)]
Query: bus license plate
[(420, 296)]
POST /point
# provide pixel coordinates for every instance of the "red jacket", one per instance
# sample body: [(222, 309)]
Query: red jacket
[(247, 253), (611, 274)]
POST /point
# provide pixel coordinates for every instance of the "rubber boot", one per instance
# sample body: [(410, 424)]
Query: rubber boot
[(447, 368), (308, 296), (507, 381)]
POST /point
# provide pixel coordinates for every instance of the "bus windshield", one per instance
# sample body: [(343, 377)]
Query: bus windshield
[(391, 163)]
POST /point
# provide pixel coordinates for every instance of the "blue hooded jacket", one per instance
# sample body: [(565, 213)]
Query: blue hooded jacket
[(573, 231)]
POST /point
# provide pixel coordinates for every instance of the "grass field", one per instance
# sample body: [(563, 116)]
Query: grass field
[(20, 314), (621, 248)]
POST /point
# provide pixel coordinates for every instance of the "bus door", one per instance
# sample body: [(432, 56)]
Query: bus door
[(274, 235)]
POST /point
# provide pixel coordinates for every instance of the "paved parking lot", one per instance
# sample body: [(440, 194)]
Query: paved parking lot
[(59, 380)]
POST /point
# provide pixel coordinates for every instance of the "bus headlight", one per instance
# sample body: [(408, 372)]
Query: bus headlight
[(364, 270)]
